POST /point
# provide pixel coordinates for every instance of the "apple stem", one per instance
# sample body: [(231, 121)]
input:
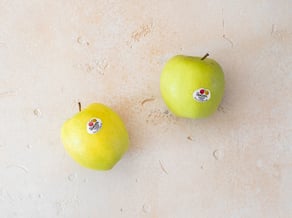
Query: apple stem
[(79, 106), (204, 57)]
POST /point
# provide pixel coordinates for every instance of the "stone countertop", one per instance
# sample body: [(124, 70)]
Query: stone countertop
[(237, 163)]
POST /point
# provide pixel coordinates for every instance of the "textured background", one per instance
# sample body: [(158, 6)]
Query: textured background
[(235, 164)]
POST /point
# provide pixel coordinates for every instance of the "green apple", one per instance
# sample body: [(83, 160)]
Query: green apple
[(96, 137), (192, 87)]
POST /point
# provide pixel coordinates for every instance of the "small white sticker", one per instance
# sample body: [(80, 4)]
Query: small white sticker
[(202, 95), (93, 125)]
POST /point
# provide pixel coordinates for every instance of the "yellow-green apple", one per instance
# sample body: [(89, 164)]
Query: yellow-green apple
[(96, 137), (192, 87)]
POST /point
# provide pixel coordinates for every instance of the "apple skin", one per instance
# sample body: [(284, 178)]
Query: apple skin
[(182, 76), (100, 150)]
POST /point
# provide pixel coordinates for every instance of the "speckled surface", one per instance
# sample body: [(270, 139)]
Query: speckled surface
[(235, 164)]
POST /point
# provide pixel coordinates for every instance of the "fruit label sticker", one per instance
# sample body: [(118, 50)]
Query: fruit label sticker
[(202, 95), (94, 125)]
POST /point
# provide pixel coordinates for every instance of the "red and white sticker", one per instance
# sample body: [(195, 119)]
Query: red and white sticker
[(202, 95), (94, 125)]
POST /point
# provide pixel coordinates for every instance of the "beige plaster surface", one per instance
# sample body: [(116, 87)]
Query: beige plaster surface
[(235, 164)]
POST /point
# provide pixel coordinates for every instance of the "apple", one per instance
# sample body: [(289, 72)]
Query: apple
[(96, 137), (192, 87)]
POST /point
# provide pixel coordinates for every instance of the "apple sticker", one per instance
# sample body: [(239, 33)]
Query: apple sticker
[(202, 95), (94, 125)]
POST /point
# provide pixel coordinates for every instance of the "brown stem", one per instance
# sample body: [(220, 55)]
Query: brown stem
[(79, 106), (205, 56)]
